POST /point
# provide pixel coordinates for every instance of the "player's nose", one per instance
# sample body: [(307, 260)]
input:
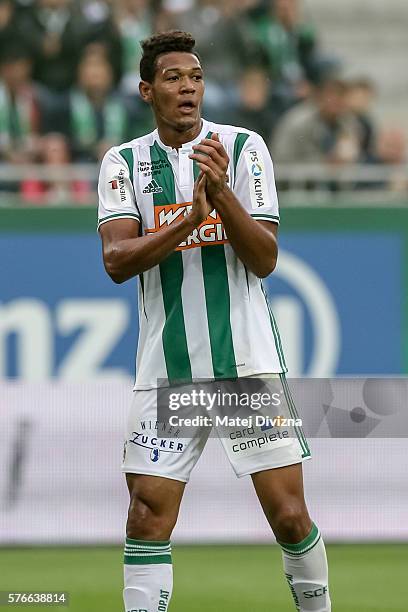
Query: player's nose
[(187, 85)]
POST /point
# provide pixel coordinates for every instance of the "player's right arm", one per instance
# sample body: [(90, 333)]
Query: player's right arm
[(125, 252)]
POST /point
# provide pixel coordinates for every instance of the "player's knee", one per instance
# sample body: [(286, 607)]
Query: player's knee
[(146, 523), (292, 522)]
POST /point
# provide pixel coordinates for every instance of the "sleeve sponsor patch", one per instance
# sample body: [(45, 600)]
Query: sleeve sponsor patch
[(258, 185), (116, 186)]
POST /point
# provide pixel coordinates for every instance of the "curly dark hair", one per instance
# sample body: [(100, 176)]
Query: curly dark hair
[(165, 42)]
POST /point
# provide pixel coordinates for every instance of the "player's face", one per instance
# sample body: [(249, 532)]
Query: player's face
[(177, 91)]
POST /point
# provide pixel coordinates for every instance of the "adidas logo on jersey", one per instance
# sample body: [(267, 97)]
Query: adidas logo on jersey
[(153, 187)]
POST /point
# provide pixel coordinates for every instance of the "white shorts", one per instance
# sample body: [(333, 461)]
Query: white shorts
[(149, 450)]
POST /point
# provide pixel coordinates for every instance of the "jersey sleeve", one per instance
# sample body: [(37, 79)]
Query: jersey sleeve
[(254, 180), (115, 189)]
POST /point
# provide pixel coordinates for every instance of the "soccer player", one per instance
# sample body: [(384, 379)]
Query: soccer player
[(192, 210)]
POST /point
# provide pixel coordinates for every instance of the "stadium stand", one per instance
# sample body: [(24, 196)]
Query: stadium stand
[(69, 69)]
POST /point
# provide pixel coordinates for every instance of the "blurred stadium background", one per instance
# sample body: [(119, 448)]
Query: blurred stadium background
[(326, 85)]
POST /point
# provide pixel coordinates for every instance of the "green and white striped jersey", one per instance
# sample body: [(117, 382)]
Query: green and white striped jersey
[(202, 313)]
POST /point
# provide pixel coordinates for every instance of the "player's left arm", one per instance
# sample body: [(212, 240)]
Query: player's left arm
[(253, 238)]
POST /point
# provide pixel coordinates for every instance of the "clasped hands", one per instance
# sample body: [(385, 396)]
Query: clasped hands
[(212, 159)]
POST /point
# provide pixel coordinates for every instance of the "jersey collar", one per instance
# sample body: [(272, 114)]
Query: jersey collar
[(205, 128)]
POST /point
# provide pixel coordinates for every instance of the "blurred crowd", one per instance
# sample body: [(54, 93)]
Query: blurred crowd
[(69, 74)]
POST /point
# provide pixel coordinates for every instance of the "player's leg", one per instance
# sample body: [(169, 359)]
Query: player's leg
[(280, 492), (273, 457), (153, 510), (157, 464)]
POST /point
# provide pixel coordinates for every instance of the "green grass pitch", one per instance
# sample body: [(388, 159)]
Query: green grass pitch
[(364, 578)]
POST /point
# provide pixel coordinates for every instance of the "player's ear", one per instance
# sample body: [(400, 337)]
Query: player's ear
[(145, 90)]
